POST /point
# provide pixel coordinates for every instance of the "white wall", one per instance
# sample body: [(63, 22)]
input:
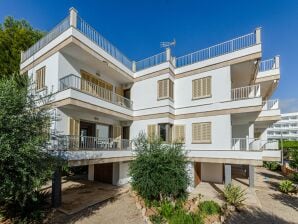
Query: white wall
[(212, 172)]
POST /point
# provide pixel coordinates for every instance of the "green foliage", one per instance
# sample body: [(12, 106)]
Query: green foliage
[(294, 158), (157, 219), (182, 217), (273, 166), (167, 209), (24, 164), (286, 186), (159, 170), (294, 177), (209, 208), (15, 36), (234, 195), (289, 144)]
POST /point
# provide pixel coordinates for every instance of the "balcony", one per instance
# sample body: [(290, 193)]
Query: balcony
[(77, 83), (252, 144), (246, 92), (270, 112)]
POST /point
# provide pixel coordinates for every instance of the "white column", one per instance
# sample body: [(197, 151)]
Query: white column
[(168, 54), (276, 58), (91, 172), (251, 130), (116, 168), (258, 35), (73, 13), (134, 66), (228, 174), (251, 176)]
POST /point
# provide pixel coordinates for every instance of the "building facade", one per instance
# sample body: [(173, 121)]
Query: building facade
[(286, 128), (215, 101)]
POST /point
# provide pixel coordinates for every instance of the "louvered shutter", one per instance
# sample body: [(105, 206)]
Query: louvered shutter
[(201, 88), (40, 78), (201, 132), (179, 133), (151, 131)]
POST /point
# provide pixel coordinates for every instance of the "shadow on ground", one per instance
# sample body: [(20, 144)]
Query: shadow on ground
[(255, 216), (287, 200)]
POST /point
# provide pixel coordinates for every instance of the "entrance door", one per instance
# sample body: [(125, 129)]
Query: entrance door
[(197, 169)]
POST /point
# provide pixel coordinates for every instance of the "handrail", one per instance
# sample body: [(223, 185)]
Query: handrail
[(217, 50), (55, 32), (254, 144), (102, 42), (271, 104), (73, 81), (74, 142), (267, 65), (151, 61), (246, 92)]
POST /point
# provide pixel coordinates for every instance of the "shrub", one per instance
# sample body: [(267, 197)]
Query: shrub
[(159, 170), (166, 209), (273, 166), (157, 219), (209, 208), (294, 177), (286, 186), (181, 217), (234, 195)]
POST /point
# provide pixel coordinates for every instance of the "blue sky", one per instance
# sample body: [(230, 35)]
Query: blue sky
[(137, 27)]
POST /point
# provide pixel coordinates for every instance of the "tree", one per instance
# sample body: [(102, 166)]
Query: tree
[(25, 165), (15, 36), (159, 170)]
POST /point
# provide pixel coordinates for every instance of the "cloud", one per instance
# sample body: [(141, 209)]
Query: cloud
[(288, 105)]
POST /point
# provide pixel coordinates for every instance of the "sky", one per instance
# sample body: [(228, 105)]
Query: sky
[(137, 27)]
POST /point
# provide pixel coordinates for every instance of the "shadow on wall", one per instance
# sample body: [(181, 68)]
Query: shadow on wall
[(255, 216)]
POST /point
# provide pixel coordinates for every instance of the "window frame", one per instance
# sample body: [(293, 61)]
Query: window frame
[(202, 80), (169, 89)]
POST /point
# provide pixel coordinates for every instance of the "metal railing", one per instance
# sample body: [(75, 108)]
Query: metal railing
[(151, 61), (75, 82), (253, 144), (72, 142), (246, 92), (60, 28), (102, 42), (271, 105), (267, 65), (217, 50)]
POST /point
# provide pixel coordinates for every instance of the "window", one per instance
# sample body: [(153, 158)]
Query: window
[(40, 78), (165, 89), (201, 132), (165, 132), (179, 133), (151, 131), (201, 88)]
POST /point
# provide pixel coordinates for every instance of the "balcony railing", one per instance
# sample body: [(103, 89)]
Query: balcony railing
[(217, 50), (102, 42), (72, 142), (271, 105), (75, 82), (252, 144), (60, 28), (151, 61), (246, 92), (269, 64)]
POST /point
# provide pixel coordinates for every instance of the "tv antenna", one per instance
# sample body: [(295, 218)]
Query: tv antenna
[(168, 44)]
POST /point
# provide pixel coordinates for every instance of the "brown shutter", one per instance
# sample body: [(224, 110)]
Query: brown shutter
[(201, 87), (179, 133), (201, 132), (40, 78), (151, 131), (74, 127), (165, 89)]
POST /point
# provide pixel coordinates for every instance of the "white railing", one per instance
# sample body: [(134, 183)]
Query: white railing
[(102, 42), (72, 142), (151, 61), (271, 105), (267, 65), (246, 92), (253, 144), (60, 28), (217, 50), (75, 82)]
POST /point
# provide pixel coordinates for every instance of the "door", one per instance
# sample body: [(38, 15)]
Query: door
[(197, 169), (103, 172)]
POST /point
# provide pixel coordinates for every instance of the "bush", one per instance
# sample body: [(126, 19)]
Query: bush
[(209, 208), (157, 219), (294, 177), (159, 170), (286, 186), (181, 217), (273, 166), (166, 209), (234, 195)]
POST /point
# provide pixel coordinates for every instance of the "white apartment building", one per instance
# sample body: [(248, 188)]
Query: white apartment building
[(215, 100), (286, 128)]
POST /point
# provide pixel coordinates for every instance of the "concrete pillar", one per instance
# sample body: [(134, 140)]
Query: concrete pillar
[(228, 174), (251, 130), (56, 188), (73, 14), (191, 175), (251, 177), (174, 61), (116, 168), (168, 54), (134, 66), (91, 172), (277, 61), (258, 35)]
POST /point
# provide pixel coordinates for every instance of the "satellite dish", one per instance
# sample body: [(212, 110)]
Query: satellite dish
[(168, 44)]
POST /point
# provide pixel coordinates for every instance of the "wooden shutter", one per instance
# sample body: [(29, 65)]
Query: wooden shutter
[(179, 133), (165, 89), (117, 132), (201, 132), (171, 89), (74, 127), (40, 78), (151, 131), (201, 87)]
